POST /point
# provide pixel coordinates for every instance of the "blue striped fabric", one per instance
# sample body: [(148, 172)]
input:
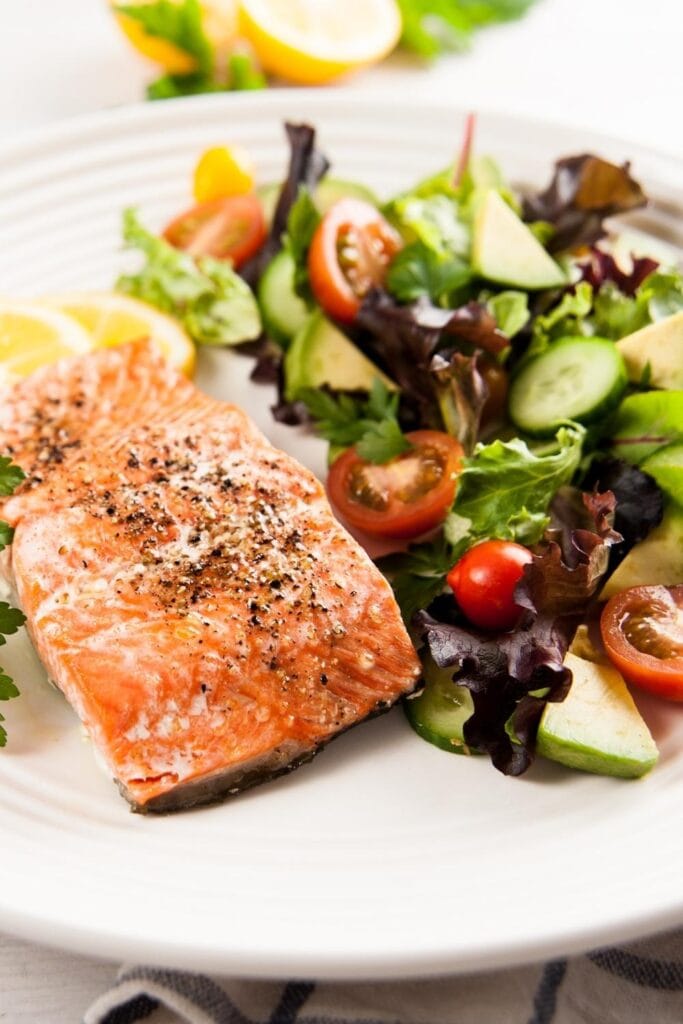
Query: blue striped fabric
[(641, 984)]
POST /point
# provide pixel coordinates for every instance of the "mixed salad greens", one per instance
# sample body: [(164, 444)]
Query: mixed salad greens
[(499, 383)]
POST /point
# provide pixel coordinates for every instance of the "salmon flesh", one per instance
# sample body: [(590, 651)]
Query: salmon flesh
[(186, 584)]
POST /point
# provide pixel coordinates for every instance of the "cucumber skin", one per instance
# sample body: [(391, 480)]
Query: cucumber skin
[(600, 411), (434, 717), (273, 325)]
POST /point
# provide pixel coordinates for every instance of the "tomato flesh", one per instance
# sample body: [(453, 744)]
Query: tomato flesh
[(483, 582), (642, 630), (233, 227), (350, 252), (405, 497)]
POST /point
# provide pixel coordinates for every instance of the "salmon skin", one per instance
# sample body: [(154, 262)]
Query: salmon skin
[(189, 590)]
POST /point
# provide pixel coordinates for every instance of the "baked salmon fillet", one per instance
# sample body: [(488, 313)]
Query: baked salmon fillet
[(47, 420), (189, 590)]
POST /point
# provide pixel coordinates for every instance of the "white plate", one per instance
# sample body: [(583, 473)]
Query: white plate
[(385, 856)]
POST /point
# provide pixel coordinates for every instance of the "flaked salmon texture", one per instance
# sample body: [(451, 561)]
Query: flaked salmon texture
[(187, 586)]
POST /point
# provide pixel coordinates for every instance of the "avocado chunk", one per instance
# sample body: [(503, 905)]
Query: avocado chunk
[(439, 712), (656, 560), (328, 192), (321, 354), (597, 728), (504, 250), (659, 347)]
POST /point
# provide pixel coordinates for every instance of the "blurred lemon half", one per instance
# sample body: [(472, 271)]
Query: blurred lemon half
[(108, 318), (32, 336), (219, 20), (315, 41)]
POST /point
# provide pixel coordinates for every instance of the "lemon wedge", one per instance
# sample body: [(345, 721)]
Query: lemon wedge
[(218, 23), (32, 336), (315, 41), (108, 318)]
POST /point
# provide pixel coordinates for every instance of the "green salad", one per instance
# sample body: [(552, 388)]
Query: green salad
[(499, 378)]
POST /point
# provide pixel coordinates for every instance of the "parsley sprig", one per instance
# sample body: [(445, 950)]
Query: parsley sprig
[(11, 619), (371, 424)]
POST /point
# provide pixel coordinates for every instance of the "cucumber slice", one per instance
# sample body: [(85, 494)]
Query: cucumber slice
[(282, 311), (321, 354), (505, 250), (574, 379), (326, 194), (439, 714)]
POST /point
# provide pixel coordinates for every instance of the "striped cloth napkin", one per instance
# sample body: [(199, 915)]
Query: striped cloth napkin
[(638, 984)]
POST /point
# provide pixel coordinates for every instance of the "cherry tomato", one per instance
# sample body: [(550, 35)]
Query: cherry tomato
[(231, 228), (350, 252), (642, 630), (407, 496), (484, 582)]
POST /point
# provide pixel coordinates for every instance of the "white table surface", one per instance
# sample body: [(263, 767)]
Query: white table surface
[(609, 65)]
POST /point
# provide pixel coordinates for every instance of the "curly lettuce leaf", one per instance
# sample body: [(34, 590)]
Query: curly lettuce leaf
[(505, 488), (215, 305), (511, 311), (417, 272)]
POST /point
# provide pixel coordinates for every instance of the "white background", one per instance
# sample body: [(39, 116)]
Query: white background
[(615, 66)]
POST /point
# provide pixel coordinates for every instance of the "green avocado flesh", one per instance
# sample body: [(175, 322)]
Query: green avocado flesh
[(656, 560), (597, 728), (321, 354), (505, 250), (328, 192), (440, 711), (656, 352)]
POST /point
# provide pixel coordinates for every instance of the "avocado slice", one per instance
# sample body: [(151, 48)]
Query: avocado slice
[(658, 346), (321, 354), (656, 560), (505, 250), (597, 728), (327, 193)]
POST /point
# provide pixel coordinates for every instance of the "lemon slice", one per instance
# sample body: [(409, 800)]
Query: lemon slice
[(315, 41), (218, 23), (32, 336), (113, 319)]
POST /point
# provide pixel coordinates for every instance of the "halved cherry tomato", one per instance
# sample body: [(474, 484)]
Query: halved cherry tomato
[(407, 496), (231, 228), (484, 580), (350, 252), (642, 630)]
